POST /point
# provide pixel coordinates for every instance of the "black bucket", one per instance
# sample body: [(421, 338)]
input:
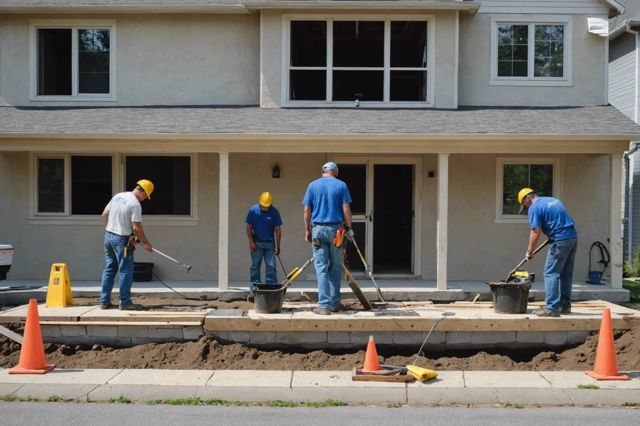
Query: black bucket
[(510, 298), (268, 298)]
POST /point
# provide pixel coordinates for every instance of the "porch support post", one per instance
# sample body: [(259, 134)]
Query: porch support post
[(223, 223), (615, 217), (443, 219)]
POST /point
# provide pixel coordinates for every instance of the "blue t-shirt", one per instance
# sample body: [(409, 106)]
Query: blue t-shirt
[(549, 214), (326, 196), (263, 223)]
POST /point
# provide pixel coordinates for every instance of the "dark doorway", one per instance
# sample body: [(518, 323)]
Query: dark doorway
[(392, 218)]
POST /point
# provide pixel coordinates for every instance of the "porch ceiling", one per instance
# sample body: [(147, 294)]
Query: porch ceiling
[(603, 123)]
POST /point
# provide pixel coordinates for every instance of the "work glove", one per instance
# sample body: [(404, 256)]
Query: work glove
[(349, 233), (529, 255)]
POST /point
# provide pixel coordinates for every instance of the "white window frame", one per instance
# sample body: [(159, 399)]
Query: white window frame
[(118, 172), (386, 102), (501, 162), (532, 21), (74, 25)]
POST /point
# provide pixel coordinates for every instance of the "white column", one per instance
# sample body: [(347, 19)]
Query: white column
[(615, 217), (223, 223), (443, 219)]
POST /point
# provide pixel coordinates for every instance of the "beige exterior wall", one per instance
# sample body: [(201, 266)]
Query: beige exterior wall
[(161, 59), (588, 65), (271, 74), (479, 248)]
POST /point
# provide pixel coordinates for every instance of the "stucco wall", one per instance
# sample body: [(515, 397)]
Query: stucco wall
[(479, 248), (161, 59), (588, 65), (271, 60)]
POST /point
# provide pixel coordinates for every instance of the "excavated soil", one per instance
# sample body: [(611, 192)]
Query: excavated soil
[(207, 353)]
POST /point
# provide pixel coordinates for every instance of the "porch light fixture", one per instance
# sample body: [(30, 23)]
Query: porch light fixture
[(275, 172)]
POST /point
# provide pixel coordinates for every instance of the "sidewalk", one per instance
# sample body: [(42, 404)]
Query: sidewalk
[(451, 387)]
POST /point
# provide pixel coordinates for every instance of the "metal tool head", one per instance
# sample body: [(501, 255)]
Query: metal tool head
[(188, 268)]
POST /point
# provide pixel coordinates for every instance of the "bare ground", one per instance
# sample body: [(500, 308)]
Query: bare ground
[(207, 353)]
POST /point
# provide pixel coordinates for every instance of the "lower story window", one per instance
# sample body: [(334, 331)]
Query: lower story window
[(170, 175), (82, 185), (515, 175)]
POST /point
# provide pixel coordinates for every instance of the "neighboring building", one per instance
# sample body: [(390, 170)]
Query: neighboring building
[(624, 83), (437, 111)]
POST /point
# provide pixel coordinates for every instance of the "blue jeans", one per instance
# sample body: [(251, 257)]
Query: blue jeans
[(328, 262), (558, 274), (264, 250), (114, 261)]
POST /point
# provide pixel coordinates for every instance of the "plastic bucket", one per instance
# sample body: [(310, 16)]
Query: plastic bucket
[(268, 298), (510, 298), (595, 277), (6, 259)]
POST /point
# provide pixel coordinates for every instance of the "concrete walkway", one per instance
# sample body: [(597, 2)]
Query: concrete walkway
[(451, 387)]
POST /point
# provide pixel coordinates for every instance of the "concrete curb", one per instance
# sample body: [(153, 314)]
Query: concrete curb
[(450, 388)]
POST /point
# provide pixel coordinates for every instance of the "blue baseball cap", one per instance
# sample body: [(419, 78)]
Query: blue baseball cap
[(330, 166)]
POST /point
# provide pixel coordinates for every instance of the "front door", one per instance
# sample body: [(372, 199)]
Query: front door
[(383, 208)]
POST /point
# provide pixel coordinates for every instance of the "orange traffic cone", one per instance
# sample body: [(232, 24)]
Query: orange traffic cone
[(32, 353), (606, 367), (371, 364)]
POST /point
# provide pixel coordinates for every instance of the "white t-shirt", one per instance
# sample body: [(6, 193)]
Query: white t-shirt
[(124, 208)]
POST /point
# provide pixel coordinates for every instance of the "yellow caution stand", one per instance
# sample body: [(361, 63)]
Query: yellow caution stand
[(59, 292)]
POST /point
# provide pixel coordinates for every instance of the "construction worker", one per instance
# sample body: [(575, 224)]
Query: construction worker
[(263, 230), (327, 206), (547, 215), (123, 218)]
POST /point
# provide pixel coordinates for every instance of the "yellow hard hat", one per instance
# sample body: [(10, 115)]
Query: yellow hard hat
[(147, 185), (265, 199), (523, 193)]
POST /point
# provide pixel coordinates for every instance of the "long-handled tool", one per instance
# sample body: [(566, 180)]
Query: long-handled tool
[(367, 269), (184, 265), (356, 290), (295, 273), (525, 261)]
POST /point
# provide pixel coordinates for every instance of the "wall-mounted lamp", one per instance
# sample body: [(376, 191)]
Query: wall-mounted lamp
[(275, 172)]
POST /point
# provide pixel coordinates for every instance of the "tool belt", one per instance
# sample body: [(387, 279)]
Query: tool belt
[(131, 245)]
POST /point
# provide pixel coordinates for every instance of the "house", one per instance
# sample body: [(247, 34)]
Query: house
[(624, 81), (437, 111)]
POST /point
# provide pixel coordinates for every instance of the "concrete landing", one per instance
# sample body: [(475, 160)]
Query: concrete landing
[(460, 325)]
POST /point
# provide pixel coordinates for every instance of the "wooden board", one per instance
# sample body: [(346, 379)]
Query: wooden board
[(359, 377)]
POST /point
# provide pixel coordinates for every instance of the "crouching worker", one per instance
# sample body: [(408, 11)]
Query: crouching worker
[(123, 217), (263, 231), (547, 215)]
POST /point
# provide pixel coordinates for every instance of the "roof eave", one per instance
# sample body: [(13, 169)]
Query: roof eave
[(624, 26), (332, 136), (103, 8), (613, 4), (359, 5)]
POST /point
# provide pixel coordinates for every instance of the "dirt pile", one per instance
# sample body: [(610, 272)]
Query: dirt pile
[(208, 353)]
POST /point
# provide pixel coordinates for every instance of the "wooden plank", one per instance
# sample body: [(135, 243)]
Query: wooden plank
[(363, 377)]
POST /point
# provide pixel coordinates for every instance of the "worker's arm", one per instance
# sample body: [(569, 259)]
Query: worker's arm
[(534, 235), (307, 223), (137, 229), (346, 212), (105, 216), (252, 243), (278, 233)]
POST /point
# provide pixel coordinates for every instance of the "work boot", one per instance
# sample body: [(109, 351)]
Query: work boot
[(131, 307), (565, 310), (546, 313), (321, 311), (107, 305), (339, 307)]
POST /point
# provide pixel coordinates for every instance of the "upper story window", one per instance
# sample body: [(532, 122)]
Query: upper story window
[(373, 61), (531, 53), (73, 60)]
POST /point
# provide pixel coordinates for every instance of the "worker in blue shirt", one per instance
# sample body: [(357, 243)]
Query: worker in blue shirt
[(327, 205), (547, 215), (263, 230)]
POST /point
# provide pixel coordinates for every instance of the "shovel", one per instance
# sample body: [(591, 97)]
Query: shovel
[(525, 261)]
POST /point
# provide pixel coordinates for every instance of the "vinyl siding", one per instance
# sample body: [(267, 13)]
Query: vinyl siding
[(577, 7), (622, 74)]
